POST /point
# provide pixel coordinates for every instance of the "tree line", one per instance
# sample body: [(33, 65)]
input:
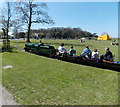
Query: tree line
[(62, 33), (21, 16)]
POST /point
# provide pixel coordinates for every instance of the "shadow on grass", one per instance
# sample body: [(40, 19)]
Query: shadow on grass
[(11, 50), (18, 42)]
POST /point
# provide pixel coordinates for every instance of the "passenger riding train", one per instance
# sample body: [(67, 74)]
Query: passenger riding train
[(50, 51)]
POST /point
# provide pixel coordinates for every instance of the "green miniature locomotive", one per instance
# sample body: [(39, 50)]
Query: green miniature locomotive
[(40, 49)]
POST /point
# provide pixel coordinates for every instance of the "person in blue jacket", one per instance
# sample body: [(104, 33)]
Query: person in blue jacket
[(86, 52)]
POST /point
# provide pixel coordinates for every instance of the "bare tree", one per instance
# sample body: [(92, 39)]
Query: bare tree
[(32, 12), (5, 19)]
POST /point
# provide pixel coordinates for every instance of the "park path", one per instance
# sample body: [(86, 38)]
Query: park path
[(6, 97)]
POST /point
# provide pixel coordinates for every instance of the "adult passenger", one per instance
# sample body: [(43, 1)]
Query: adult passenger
[(108, 55), (40, 44), (86, 52)]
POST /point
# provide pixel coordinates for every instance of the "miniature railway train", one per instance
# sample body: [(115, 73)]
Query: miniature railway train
[(50, 51), (40, 49)]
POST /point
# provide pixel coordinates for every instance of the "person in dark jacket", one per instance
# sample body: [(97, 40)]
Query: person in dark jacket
[(40, 44), (108, 55)]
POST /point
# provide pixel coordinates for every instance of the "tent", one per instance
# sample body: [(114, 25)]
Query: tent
[(104, 37)]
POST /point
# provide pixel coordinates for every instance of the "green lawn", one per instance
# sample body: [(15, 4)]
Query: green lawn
[(37, 80), (100, 45), (0, 68)]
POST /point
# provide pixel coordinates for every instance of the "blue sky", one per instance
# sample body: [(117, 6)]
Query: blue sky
[(95, 17)]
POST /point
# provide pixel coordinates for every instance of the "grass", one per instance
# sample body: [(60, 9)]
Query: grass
[(100, 45), (37, 80), (0, 69), (0, 63)]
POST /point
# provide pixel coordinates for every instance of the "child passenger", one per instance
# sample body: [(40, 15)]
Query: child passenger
[(72, 52), (95, 55), (62, 50)]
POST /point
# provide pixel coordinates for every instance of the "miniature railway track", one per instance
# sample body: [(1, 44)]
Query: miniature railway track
[(77, 60)]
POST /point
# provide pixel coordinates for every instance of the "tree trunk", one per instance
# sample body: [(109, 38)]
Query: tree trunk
[(8, 24), (8, 21), (28, 34), (30, 22)]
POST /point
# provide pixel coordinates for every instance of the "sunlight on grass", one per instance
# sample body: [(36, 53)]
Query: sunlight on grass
[(0, 68), (100, 45), (37, 80)]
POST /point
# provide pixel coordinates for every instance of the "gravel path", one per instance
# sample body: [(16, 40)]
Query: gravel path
[(6, 97)]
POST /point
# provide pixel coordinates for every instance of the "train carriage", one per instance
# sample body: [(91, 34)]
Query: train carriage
[(50, 51)]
